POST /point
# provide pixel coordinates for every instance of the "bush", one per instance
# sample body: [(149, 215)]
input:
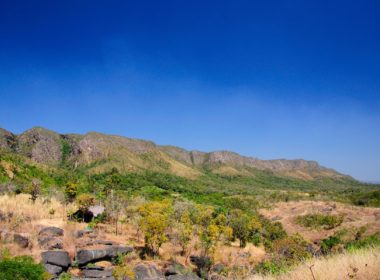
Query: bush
[(21, 268), (291, 250), (271, 267), (273, 231), (329, 243), (366, 242), (318, 221)]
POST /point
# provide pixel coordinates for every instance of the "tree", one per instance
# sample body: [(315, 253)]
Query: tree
[(154, 222), (85, 201), (244, 226), (34, 189), (71, 191), (184, 229), (114, 205)]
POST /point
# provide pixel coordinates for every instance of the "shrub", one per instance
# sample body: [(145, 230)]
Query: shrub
[(329, 243), (273, 231), (291, 250), (272, 267), (21, 268), (318, 221)]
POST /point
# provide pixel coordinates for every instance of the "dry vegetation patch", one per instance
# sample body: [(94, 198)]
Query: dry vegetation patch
[(354, 217), (360, 265)]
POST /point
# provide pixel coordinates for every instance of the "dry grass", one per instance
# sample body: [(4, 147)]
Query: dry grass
[(355, 217), (21, 205), (360, 265)]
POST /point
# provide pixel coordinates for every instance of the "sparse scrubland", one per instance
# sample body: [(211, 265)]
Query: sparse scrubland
[(178, 214)]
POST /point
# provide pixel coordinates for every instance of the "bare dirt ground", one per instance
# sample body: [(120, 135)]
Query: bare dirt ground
[(355, 217)]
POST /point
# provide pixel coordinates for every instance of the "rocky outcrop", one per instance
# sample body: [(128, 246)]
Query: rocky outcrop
[(84, 256), (147, 272), (59, 258), (48, 147), (190, 276), (50, 238), (96, 272), (55, 262), (8, 140), (21, 240), (41, 145)]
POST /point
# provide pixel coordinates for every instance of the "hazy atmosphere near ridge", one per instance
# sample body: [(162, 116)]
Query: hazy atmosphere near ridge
[(268, 81)]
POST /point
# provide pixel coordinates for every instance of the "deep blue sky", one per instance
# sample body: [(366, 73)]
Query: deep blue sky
[(271, 79)]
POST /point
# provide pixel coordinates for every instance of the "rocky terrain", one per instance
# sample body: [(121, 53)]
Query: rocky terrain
[(106, 151)]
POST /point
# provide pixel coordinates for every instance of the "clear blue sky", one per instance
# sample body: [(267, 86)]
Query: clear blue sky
[(271, 79)]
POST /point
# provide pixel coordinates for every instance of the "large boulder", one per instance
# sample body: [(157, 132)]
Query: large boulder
[(21, 240), (51, 231), (96, 273), (49, 238), (147, 272), (58, 258), (54, 270), (86, 256)]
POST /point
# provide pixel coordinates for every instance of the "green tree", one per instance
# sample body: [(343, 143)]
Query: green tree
[(71, 191), (244, 226), (154, 222)]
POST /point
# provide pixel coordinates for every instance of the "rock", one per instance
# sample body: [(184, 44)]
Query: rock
[(245, 255), (203, 264), (81, 233), (49, 238), (190, 276), (59, 258), (86, 256), (201, 261), (53, 269), (276, 218), (217, 277), (217, 268), (51, 231), (147, 272), (86, 278), (93, 267), (5, 216), (106, 242), (93, 273), (96, 210), (21, 240), (50, 243), (175, 268)]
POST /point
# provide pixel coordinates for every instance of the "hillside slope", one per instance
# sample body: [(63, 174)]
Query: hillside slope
[(100, 152)]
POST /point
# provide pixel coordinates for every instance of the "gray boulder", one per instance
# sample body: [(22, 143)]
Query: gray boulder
[(86, 256), (21, 240), (51, 231), (147, 272), (59, 258), (175, 268), (50, 243), (190, 276), (53, 269), (87, 278), (49, 238), (94, 273)]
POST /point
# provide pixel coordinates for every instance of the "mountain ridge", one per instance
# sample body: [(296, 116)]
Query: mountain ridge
[(51, 148)]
